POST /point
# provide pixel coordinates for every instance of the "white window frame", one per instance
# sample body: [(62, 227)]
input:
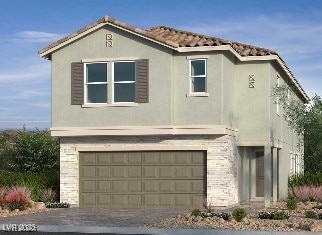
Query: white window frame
[(122, 82), (190, 76), (87, 83)]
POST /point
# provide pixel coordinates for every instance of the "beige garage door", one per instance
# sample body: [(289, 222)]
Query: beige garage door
[(142, 179)]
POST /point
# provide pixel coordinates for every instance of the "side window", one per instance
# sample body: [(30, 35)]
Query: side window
[(198, 76)]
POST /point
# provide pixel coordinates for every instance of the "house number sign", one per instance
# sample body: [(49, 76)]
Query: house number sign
[(251, 80), (109, 40)]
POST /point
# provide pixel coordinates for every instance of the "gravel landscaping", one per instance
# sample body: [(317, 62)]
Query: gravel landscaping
[(35, 207), (296, 222)]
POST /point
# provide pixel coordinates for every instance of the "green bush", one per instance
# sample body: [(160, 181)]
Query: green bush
[(305, 179), (291, 204), (310, 214), (196, 212), (32, 151), (280, 215), (239, 214), (36, 182)]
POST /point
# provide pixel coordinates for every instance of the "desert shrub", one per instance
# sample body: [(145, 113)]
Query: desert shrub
[(266, 215), (196, 212), (291, 204), (280, 215), (223, 215), (48, 195), (275, 215), (17, 198), (36, 182), (306, 193), (33, 151), (310, 214), (305, 179), (57, 205), (239, 214)]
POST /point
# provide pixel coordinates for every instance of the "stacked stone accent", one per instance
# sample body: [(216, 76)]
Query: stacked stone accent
[(222, 182)]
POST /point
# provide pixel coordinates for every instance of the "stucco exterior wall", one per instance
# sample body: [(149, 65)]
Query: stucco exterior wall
[(156, 112), (222, 182)]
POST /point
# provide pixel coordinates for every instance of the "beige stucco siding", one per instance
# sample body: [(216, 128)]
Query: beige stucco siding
[(156, 112)]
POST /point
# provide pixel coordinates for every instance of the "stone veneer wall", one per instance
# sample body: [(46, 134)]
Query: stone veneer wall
[(222, 182)]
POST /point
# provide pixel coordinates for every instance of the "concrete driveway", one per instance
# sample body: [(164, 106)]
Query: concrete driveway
[(95, 217)]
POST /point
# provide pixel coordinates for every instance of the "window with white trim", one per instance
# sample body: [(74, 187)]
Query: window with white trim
[(198, 76), (121, 78), (295, 163)]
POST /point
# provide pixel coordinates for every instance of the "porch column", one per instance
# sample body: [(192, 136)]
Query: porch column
[(275, 169), (267, 175)]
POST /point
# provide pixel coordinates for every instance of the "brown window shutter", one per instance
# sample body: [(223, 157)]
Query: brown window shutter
[(142, 81), (77, 83)]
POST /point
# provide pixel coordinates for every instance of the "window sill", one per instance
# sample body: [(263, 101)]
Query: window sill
[(203, 94), (110, 105)]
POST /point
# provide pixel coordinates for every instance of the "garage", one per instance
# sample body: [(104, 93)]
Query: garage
[(142, 179)]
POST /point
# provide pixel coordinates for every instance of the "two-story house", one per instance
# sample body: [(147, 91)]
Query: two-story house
[(163, 117)]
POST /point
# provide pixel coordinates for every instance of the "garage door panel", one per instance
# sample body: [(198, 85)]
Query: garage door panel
[(89, 158), (135, 200), (183, 158), (166, 158), (150, 200), (135, 186), (150, 158), (103, 199), (104, 186), (142, 179), (182, 172), (150, 172), (89, 199), (150, 186), (134, 172), (166, 171), (120, 158), (103, 158), (119, 199), (119, 172), (135, 158), (166, 186), (120, 186), (89, 186), (88, 171), (182, 186)]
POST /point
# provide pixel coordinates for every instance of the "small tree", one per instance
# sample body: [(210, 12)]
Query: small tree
[(306, 120), (35, 152)]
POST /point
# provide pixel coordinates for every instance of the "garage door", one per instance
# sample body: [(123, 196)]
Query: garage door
[(142, 179)]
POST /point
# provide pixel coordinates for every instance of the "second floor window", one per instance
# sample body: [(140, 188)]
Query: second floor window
[(121, 79), (198, 76)]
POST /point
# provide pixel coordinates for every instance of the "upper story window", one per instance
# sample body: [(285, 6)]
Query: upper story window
[(198, 76), (121, 82)]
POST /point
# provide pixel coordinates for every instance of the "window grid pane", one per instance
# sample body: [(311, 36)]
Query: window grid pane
[(96, 83), (124, 81), (198, 77)]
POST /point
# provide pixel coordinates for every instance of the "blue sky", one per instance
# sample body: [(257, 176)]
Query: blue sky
[(293, 28)]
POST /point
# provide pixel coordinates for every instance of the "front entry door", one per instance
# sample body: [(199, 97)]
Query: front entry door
[(259, 174)]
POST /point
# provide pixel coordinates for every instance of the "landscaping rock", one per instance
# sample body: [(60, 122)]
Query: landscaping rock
[(316, 226)]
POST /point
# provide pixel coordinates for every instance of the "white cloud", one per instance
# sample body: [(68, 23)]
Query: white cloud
[(25, 74), (37, 37)]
